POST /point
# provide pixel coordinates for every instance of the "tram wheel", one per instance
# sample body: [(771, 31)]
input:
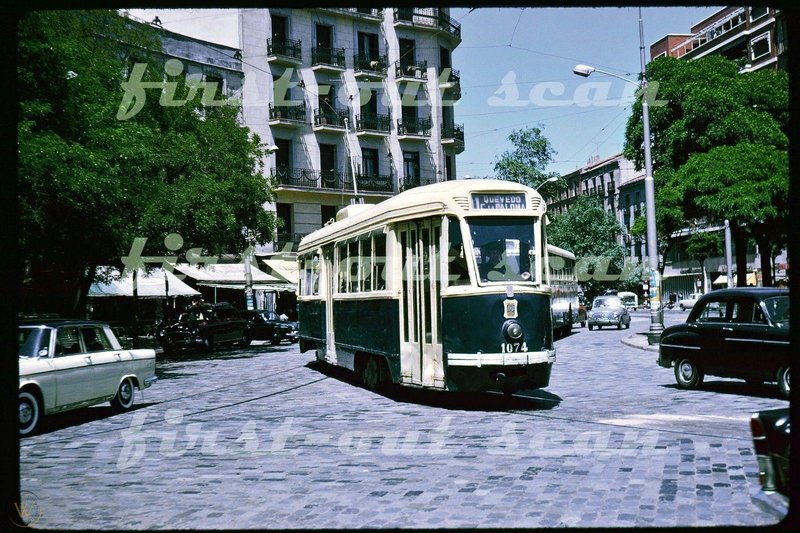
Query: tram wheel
[(371, 373)]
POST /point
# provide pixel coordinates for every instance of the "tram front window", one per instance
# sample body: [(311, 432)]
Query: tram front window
[(504, 248)]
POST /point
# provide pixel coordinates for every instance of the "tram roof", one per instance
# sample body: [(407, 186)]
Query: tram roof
[(437, 198)]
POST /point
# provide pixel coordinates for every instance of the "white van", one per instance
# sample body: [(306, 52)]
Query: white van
[(629, 300)]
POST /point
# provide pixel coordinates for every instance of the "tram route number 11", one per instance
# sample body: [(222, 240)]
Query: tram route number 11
[(513, 347)]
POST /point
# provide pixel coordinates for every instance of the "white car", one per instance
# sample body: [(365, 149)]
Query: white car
[(688, 303), (67, 364)]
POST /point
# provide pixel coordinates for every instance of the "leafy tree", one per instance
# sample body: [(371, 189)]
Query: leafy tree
[(590, 233), (700, 246), (527, 162), (711, 105), (90, 183)]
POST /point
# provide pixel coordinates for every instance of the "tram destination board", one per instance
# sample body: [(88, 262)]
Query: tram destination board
[(499, 201)]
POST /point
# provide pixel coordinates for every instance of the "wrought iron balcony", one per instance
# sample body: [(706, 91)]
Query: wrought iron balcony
[(292, 113), (310, 178), (373, 123), (417, 70), (419, 126), (430, 17), (365, 13), (375, 183), (288, 48), (411, 182), (453, 134), (366, 64), (330, 117), (331, 57), (449, 77)]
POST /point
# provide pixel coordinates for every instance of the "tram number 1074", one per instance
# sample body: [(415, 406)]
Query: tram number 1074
[(513, 347)]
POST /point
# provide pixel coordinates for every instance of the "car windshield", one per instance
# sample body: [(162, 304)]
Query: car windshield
[(503, 247), (30, 341), (778, 308), (607, 302)]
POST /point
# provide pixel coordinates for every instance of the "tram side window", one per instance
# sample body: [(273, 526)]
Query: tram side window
[(310, 278), (352, 267), (458, 274), (379, 265), (341, 256), (366, 264)]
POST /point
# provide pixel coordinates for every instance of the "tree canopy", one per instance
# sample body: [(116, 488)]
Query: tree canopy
[(719, 150), (527, 162), (89, 183)]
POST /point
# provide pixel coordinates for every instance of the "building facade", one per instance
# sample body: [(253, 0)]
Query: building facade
[(753, 36), (356, 104)]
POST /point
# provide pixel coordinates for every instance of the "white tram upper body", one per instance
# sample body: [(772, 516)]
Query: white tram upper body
[(444, 286)]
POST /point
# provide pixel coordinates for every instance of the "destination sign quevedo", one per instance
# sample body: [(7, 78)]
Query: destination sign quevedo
[(499, 201)]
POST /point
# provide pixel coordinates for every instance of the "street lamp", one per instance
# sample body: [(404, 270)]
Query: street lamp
[(551, 179), (656, 317)]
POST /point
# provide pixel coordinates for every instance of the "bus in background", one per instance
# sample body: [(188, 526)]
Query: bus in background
[(564, 284), (444, 286)]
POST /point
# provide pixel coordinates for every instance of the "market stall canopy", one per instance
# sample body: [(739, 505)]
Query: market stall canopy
[(228, 276), (157, 283), (284, 268), (722, 280)]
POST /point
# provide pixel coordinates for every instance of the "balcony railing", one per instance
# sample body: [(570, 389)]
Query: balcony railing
[(431, 17), (294, 112), (453, 76), (411, 182), (381, 123), (411, 69), (419, 126), (368, 63), (718, 28), (306, 177), (286, 48), (335, 117), (453, 131), (328, 56), (375, 183), (359, 12)]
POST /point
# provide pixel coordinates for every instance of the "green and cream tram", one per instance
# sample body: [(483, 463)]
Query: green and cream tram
[(445, 286)]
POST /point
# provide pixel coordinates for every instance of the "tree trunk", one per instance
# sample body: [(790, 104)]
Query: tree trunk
[(765, 252), (739, 238)]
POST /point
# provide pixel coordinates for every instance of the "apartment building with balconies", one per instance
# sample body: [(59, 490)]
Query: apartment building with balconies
[(356, 103), (753, 36)]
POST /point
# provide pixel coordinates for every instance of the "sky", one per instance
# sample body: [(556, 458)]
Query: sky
[(516, 71)]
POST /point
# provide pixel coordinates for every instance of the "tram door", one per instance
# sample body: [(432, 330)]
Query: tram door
[(328, 289), (420, 304)]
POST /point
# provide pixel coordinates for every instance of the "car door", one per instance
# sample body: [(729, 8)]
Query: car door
[(106, 361), (708, 324), (74, 369), (752, 344)]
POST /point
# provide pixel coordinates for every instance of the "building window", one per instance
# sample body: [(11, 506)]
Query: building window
[(328, 212), (369, 162), (284, 213), (448, 168), (760, 46), (283, 156), (215, 83), (411, 166), (757, 12)]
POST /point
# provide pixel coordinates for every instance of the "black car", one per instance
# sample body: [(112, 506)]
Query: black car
[(205, 326), (771, 438), (268, 326), (738, 333)]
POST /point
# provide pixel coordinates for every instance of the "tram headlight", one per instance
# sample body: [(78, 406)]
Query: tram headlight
[(512, 330)]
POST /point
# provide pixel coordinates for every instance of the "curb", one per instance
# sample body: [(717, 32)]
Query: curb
[(639, 341)]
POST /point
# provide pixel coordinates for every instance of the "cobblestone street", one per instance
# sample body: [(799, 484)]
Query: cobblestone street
[(264, 438)]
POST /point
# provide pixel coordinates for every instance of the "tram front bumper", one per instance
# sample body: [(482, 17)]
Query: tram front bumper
[(501, 372)]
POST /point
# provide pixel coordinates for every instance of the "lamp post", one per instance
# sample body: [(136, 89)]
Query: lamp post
[(656, 316), (551, 179)]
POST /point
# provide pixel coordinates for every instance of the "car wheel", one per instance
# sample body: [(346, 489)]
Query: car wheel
[(687, 374), (628, 324), (125, 394), (599, 326), (245, 341), (591, 327), (619, 324), (29, 412), (208, 345), (783, 382), (681, 307)]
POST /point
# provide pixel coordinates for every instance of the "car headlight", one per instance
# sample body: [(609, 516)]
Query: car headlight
[(590, 314)]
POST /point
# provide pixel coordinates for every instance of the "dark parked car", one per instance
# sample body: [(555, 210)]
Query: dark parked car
[(205, 326), (738, 333), (268, 326), (608, 311), (771, 440)]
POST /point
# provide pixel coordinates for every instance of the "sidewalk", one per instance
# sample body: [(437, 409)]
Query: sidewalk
[(639, 340)]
